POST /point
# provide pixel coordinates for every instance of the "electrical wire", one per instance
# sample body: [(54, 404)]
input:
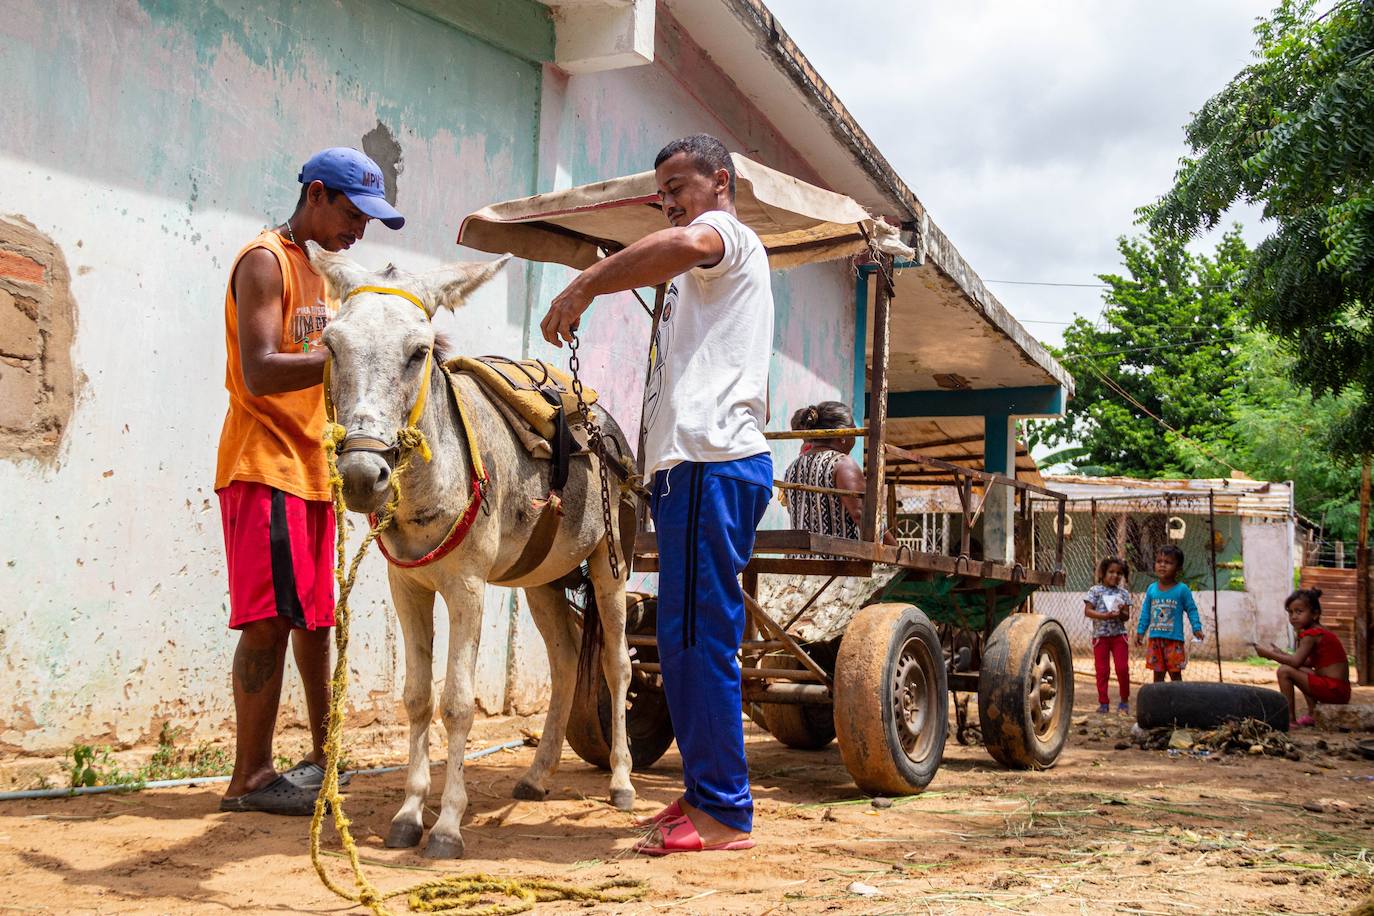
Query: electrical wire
[(1125, 394)]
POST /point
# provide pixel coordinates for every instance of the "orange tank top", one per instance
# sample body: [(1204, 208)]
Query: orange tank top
[(274, 439)]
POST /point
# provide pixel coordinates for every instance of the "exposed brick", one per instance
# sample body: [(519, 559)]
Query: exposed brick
[(18, 332), (15, 266), (19, 388)]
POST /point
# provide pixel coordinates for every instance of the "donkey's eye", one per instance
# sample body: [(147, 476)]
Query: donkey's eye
[(417, 357)]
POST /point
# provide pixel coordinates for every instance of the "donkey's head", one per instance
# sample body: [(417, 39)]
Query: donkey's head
[(381, 348)]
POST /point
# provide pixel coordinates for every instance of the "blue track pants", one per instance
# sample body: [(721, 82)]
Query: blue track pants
[(705, 514)]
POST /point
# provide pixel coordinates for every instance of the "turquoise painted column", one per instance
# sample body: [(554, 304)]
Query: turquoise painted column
[(999, 457), (860, 402)]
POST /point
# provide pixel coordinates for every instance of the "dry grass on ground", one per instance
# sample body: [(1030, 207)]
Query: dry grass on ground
[(1107, 830)]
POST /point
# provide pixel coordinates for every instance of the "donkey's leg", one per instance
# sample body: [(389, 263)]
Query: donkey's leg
[(415, 610), (549, 608), (615, 662), (464, 599)]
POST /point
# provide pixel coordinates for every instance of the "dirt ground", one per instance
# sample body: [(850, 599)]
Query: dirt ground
[(1107, 830)]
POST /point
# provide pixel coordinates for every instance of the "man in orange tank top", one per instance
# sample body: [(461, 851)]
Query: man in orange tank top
[(270, 475)]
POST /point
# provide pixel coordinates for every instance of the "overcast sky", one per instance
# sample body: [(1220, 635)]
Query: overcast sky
[(1031, 131)]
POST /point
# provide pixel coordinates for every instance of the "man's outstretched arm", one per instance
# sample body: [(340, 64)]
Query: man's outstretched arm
[(652, 260)]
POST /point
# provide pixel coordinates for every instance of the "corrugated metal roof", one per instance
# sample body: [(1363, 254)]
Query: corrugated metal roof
[(1230, 496), (955, 439)]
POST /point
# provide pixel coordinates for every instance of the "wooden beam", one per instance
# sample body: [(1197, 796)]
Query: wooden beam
[(877, 420)]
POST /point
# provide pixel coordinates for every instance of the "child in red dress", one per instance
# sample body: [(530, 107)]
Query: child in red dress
[(1318, 666)]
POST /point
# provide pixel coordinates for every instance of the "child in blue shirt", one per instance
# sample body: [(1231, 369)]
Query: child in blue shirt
[(1161, 615)]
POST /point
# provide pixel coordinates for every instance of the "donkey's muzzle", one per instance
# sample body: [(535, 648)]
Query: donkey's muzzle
[(366, 480)]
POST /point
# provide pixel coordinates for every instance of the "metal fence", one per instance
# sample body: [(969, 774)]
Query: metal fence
[(1134, 528)]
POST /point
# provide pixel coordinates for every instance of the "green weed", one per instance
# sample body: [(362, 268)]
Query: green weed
[(89, 765)]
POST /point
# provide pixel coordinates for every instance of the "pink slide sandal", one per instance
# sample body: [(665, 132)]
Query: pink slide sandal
[(680, 835)]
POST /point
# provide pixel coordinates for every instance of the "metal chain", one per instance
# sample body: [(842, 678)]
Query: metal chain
[(599, 447)]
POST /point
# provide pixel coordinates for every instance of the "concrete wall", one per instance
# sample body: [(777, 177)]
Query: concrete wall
[(1242, 617), (148, 141)]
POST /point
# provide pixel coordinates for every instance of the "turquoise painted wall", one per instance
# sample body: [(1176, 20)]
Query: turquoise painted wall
[(151, 140)]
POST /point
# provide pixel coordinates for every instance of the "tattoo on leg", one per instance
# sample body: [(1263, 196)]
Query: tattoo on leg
[(255, 668)]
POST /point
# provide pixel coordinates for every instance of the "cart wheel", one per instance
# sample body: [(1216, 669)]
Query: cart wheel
[(806, 728), (891, 699), (648, 727), (1025, 692)]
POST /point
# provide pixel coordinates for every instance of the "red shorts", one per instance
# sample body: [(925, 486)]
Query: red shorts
[(281, 556), (1165, 655), (1328, 690)]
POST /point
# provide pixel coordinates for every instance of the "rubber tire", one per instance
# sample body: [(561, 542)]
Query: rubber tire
[(1005, 713), (866, 716), (1185, 704), (648, 727), (804, 728)]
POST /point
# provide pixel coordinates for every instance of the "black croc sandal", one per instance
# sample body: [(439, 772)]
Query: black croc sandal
[(310, 776), (280, 796)]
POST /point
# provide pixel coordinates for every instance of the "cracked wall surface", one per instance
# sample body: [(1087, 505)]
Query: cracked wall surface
[(150, 169), (37, 323)]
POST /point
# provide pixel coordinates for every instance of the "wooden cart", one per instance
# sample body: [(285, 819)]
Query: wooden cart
[(878, 680)]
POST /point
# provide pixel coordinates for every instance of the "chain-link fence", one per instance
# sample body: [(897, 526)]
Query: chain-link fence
[(1134, 528)]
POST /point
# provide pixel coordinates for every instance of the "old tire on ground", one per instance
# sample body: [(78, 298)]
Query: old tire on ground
[(648, 727), (891, 700), (1025, 692), (806, 728), (1199, 705)]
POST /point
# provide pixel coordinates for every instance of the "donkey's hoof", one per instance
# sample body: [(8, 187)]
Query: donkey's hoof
[(528, 791), (403, 835), (623, 799), (444, 847)]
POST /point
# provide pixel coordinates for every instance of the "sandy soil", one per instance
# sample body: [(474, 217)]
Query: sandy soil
[(1107, 830)]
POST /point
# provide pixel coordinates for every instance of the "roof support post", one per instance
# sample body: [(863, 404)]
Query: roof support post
[(999, 457), (877, 419)]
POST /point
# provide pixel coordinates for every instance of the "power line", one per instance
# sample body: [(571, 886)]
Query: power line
[(1048, 283), (1125, 394), (1123, 280), (1177, 343)]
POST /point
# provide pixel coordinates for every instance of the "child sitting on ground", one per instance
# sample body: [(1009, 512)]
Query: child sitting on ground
[(1161, 613), (1318, 666), (1108, 606)]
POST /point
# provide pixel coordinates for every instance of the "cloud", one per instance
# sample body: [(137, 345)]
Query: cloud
[(1031, 131)]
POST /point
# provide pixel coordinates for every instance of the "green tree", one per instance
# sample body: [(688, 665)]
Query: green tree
[(1294, 133), (1276, 423), (1165, 345)]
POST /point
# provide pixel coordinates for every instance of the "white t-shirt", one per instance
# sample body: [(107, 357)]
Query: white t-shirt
[(708, 385)]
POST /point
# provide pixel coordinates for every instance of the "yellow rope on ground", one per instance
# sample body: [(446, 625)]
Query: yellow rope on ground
[(455, 894)]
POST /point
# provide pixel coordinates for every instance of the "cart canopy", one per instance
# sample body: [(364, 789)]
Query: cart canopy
[(799, 223)]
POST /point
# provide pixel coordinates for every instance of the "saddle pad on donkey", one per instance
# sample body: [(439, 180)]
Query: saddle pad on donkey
[(519, 384)]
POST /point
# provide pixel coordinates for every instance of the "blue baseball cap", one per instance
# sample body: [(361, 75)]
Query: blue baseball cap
[(344, 169)]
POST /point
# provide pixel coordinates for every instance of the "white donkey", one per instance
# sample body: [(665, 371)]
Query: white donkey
[(382, 365)]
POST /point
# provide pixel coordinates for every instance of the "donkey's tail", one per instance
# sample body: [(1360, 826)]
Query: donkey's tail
[(588, 656)]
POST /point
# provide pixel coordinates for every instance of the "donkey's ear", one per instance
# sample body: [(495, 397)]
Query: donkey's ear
[(341, 273), (449, 286)]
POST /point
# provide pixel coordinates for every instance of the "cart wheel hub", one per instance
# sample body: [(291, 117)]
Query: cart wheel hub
[(909, 695), (1044, 692)]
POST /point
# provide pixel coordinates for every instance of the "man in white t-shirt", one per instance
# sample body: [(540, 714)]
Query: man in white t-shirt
[(711, 470)]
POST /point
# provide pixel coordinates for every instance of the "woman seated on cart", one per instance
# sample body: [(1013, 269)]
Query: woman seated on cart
[(825, 463)]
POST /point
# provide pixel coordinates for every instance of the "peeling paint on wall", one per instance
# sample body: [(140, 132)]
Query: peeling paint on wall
[(37, 325), (115, 620), (381, 146)]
